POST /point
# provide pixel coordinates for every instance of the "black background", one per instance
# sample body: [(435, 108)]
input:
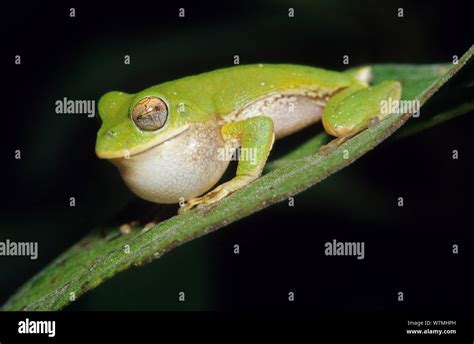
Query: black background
[(408, 249)]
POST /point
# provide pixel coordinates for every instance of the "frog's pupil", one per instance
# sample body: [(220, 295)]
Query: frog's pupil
[(150, 114)]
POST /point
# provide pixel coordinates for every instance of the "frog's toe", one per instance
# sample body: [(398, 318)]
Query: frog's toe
[(219, 192), (215, 195), (184, 208), (328, 148), (190, 204), (211, 197)]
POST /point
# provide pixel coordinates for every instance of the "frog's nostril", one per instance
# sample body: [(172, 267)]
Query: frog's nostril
[(110, 133)]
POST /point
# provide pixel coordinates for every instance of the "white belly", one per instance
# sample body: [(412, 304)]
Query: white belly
[(182, 168)]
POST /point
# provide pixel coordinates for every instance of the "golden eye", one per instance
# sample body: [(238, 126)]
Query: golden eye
[(150, 113)]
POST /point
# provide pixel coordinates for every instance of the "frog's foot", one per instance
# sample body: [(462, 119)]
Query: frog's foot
[(218, 193), (333, 145), (327, 148)]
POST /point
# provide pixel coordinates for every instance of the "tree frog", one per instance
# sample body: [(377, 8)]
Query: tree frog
[(173, 142)]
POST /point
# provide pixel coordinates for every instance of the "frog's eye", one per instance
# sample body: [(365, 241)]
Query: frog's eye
[(150, 113)]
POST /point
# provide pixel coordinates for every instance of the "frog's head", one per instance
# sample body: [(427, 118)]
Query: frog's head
[(134, 123)]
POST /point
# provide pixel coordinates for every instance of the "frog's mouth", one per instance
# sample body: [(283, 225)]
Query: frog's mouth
[(127, 153)]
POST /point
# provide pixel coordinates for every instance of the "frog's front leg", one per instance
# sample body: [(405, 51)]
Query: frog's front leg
[(355, 109), (255, 138)]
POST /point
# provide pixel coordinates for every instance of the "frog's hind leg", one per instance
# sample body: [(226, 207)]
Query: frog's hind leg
[(355, 109)]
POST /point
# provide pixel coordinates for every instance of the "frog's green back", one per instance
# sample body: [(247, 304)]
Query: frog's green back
[(204, 97), (232, 87), (246, 83)]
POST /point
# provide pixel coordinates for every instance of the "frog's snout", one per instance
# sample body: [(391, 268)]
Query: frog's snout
[(107, 143)]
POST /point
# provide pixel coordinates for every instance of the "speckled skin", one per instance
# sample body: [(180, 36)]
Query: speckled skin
[(222, 110), (289, 112)]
